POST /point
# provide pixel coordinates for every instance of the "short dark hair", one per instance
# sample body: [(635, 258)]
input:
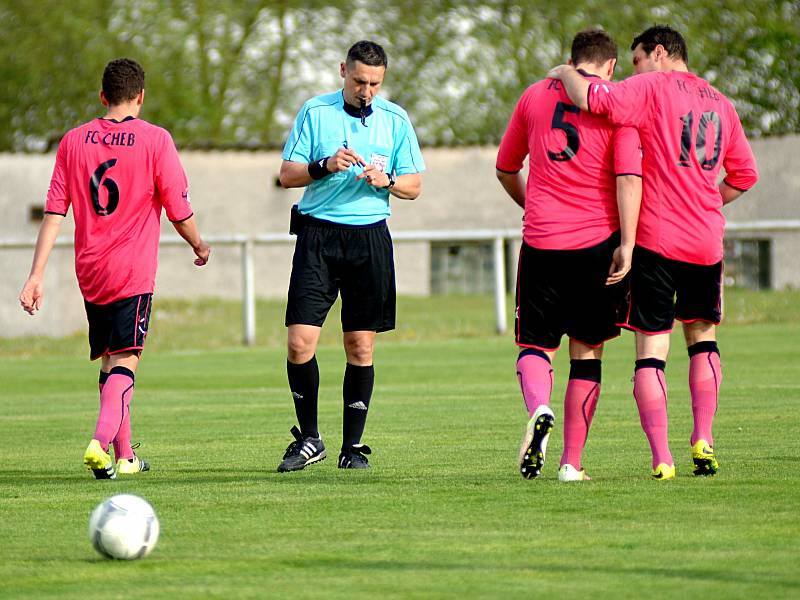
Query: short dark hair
[(666, 36), (593, 46), (367, 52), (123, 79)]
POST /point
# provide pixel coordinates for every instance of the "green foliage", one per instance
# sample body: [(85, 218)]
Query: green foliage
[(234, 73)]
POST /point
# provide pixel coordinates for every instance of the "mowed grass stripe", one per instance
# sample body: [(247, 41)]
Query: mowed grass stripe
[(443, 513)]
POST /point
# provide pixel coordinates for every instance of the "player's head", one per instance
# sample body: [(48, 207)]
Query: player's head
[(363, 72), (596, 51), (659, 48), (123, 82)]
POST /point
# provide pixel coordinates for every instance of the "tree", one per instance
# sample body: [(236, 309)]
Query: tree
[(233, 73)]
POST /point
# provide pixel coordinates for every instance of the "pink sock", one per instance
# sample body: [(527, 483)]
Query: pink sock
[(650, 392), (580, 403), (122, 443), (114, 399), (535, 374), (705, 376)]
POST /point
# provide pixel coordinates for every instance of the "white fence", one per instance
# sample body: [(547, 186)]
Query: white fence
[(496, 237)]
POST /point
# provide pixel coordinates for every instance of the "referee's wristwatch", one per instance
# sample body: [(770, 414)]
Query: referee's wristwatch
[(391, 183)]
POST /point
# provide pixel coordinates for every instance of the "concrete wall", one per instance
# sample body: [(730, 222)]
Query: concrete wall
[(236, 192)]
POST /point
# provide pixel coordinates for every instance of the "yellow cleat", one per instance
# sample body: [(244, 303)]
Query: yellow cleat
[(98, 461), (130, 466), (705, 460), (663, 471)]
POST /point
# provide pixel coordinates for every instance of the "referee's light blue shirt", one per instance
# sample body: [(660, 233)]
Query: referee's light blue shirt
[(388, 141)]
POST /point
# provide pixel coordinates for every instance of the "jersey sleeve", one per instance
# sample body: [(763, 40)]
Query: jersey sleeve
[(627, 152), (514, 145), (58, 199), (171, 181), (625, 103), (298, 145), (408, 156), (740, 164)]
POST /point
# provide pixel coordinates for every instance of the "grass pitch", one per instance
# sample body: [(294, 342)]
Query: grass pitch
[(444, 512)]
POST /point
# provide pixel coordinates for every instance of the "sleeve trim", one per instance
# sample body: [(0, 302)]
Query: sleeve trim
[(738, 189), (52, 212), (627, 174), (182, 220), (508, 172)]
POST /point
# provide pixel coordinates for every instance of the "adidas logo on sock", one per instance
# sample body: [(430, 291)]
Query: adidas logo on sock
[(297, 396), (359, 405)]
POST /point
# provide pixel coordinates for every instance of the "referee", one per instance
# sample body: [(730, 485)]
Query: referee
[(350, 150)]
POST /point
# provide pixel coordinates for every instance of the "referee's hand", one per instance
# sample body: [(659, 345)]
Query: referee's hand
[(344, 159)]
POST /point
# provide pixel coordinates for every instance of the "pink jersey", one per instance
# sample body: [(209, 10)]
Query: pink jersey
[(689, 131), (571, 195), (117, 176)]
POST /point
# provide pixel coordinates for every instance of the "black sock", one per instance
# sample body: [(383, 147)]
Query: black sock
[(356, 393), (304, 383)]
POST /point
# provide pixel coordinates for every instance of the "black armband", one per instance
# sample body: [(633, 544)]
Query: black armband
[(319, 168)]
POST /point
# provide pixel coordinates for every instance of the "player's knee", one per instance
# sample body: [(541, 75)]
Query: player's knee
[(359, 351), (299, 349)]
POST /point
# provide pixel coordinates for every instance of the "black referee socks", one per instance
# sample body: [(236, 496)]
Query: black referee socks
[(304, 383), (356, 393)]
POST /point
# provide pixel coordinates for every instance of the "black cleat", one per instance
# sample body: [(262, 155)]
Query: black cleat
[(533, 449), (354, 457), (302, 452)]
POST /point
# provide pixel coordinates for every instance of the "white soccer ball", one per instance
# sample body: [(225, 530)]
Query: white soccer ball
[(124, 527)]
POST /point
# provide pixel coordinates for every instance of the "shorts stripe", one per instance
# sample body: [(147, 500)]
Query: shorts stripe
[(136, 322)]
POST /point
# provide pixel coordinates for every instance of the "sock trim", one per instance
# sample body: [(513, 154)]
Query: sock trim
[(700, 347), (651, 363), (534, 352), (588, 369), (122, 371)]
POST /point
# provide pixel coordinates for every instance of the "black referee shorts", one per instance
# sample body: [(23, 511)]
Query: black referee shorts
[(355, 261), (564, 292), (662, 290)]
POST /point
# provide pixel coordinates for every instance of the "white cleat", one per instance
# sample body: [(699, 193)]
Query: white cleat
[(569, 473)]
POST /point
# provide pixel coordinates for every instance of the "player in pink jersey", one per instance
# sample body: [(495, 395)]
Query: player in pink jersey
[(117, 172), (581, 205), (689, 131)]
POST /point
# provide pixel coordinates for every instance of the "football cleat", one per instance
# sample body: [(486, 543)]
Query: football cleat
[(569, 473), (354, 457), (302, 452), (129, 466), (705, 460), (98, 461), (533, 449), (663, 471)]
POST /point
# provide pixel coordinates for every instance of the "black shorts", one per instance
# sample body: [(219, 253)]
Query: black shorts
[(662, 289), (564, 292), (118, 327), (355, 261)]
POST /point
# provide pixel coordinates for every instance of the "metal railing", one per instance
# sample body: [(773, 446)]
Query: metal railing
[(497, 237)]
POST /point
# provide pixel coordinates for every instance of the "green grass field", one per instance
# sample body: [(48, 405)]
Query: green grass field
[(443, 513)]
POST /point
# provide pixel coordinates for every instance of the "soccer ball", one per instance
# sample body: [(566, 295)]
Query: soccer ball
[(123, 527)]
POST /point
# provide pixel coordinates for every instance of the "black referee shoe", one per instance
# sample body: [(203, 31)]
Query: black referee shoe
[(354, 457), (301, 452)]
